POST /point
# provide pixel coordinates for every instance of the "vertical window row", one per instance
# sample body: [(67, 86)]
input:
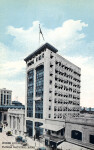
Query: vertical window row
[(30, 90), (39, 91)]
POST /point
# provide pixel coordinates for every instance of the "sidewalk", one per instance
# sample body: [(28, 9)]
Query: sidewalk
[(35, 144), (9, 143)]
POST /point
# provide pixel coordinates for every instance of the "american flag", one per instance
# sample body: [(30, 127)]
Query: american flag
[(40, 32)]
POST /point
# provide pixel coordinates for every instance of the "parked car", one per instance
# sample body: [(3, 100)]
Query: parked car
[(19, 139), (8, 133)]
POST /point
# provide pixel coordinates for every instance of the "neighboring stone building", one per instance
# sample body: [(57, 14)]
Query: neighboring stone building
[(54, 132), (80, 131), (89, 112), (52, 88), (5, 96), (16, 121), (4, 112)]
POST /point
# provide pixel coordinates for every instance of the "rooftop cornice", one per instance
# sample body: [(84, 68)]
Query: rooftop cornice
[(46, 45)]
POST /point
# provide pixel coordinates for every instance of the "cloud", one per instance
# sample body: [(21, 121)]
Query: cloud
[(12, 72), (69, 30), (11, 68), (3, 52), (25, 40), (10, 62), (62, 37)]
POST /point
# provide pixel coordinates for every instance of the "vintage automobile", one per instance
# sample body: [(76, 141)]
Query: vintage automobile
[(8, 133), (19, 139)]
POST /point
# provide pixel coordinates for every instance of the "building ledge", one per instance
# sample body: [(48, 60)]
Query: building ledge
[(46, 45)]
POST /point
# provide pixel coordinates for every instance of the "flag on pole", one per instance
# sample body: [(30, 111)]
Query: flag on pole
[(40, 32)]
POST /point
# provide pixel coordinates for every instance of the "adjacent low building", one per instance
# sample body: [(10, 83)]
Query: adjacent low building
[(80, 131), (4, 112), (54, 132), (16, 121), (87, 112)]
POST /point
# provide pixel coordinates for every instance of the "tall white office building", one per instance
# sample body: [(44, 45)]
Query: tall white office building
[(52, 88), (5, 96)]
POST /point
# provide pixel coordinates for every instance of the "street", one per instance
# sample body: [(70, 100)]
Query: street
[(9, 143)]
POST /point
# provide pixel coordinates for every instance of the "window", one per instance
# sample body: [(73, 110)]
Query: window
[(39, 81), (1, 99), (29, 127), (55, 100), (49, 116), (75, 134), (91, 139), (51, 56), (50, 90), (49, 107), (55, 115), (50, 81), (55, 108), (43, 55), (53, 132), (40, 57), (4, 99), (39, 109), (37, 59), (5, 117), (29, 64), (39, 131), (62, 131), (58, 132)]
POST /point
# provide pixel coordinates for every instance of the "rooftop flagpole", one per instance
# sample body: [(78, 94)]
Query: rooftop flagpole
[(40, 32)]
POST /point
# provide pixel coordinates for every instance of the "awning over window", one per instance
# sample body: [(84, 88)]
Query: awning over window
[(52, 127)]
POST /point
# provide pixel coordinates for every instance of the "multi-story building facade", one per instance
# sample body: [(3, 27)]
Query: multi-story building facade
[(52, 88), (5, 96), (6, 109)]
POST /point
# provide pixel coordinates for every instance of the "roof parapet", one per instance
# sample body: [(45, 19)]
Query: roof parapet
[(46, 45)]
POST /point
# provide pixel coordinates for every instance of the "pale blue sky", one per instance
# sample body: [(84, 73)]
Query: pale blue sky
[(51, 13), (19, 33)]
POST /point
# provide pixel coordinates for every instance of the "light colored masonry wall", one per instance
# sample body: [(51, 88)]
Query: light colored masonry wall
[(67, 89), (16, 121), (61, 96), (84, 125)]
